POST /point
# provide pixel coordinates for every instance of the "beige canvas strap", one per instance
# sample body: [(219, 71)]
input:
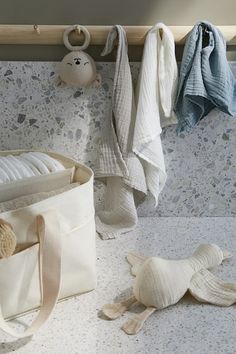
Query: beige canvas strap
[(50, 273)]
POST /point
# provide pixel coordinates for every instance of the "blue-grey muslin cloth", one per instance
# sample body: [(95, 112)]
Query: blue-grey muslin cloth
[(206, 80)]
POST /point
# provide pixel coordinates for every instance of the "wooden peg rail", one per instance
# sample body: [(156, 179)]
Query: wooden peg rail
[(52, 34)]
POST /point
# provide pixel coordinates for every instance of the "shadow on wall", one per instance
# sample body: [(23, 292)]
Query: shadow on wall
[(107, 12)]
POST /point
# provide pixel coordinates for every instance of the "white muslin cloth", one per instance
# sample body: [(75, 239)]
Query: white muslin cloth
[(117, 163), (30, 164), (155, 96)]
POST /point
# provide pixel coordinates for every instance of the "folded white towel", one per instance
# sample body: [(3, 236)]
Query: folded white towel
[(121, 167), (25, 165), (155, 95)]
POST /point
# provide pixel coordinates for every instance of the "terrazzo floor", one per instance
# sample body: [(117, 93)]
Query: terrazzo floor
[(77, 326)]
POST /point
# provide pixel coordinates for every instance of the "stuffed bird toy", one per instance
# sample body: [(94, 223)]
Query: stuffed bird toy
[(161, 283)]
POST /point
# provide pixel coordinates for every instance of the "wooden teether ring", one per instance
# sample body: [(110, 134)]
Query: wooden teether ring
[(7, 239), (78, 47)]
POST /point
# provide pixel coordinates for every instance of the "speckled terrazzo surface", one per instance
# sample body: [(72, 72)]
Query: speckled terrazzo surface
[(77, 327), (201, 166)]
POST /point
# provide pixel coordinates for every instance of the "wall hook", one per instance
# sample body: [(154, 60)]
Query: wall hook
[(78, 30), (161, 33), (37, 29)]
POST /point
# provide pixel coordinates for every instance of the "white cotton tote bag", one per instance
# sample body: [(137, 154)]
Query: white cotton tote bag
[(57, 258)]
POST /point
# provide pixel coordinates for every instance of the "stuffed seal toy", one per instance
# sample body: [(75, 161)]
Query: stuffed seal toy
[(77, 68), (161, 283)]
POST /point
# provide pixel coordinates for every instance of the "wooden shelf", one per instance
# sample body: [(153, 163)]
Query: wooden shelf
[(52, 34)]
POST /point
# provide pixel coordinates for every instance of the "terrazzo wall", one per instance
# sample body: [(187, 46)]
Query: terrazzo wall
[(201, 166)]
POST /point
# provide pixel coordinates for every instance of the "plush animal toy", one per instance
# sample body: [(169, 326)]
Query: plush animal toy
[(160, 283), (77, 67)]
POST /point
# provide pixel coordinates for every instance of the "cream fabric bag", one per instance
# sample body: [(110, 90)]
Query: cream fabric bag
[(58, 259)]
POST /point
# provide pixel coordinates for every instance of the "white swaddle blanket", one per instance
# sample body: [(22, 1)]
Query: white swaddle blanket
[(155, 95), (121, 167)]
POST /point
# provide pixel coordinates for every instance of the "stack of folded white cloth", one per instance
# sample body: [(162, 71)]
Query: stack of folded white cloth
[(30, 164)]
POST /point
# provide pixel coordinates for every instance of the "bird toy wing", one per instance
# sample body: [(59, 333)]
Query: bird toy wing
[(206, 287)]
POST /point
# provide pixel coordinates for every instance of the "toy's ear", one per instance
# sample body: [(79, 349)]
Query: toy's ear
[(97, 82), (136, 261), (60, 82)]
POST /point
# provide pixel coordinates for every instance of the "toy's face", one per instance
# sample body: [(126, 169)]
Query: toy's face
[(77, 68)]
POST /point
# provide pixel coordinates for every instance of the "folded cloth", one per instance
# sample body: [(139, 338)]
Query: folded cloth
[(25, 165), (206, 80), (155, 94), (26, 200), (117, 162)]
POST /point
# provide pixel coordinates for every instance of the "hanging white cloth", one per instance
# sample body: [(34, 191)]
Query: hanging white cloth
[(155, 96)]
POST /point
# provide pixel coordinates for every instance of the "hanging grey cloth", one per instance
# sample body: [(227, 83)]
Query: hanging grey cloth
[(117, 163), (206, 80)]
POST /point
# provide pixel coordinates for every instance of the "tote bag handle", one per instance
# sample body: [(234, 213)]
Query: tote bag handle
[(50, 273)]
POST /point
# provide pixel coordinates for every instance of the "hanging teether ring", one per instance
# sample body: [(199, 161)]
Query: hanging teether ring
[(77, 68), (77, 29)]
